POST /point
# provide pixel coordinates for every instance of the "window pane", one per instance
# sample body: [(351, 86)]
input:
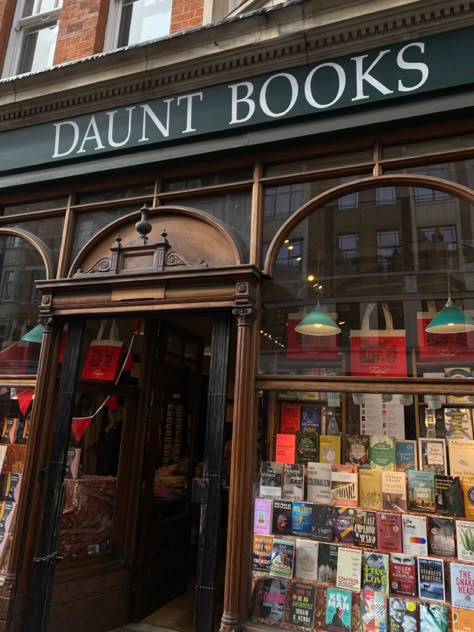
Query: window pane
[(33, 7), (28, 207), (321, 162), (207, 180), (143, 20), (48, 230), (136, 190), (38, 48)]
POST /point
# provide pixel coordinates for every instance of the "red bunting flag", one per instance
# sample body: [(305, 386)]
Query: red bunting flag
[(79, 426), (25, 397)]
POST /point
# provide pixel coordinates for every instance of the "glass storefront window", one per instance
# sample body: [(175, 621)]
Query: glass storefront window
[(460, 171), (321, 162), (429, 146), (48, 230)]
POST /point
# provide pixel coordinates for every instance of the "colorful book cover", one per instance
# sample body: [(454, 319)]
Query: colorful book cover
[(458, 423), (373, 610), (292, 482), (344, 524), (7, 512), (327, 562), (375, 571), (467, 487), (441, 539), (330, 449), (319, 482), (289, 419), (432, 455), (461, 620), (285, 448), (356, 450), (421, 491), (281, 517), (302, 604), (273, 600), (338, 609), (262, 552), (270, 479), (310, 418), (365, 528), (394, 491), (434, 617), (262, 523), (382, 452), (73, 461), (302, 518), (323, 523), (348, 570), (405, 455), (282, 560), (403, 574), (306, 560), (462, 587), (344, 485), (465, 540), (10, 485), (8, 429), (461, 457), (431, 579), (389, 532), (449, 496), (307, 446), (370, 489), (415, 535), (403, 615)]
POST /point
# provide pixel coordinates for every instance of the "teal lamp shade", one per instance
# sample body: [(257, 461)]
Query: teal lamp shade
[(34, 335), (317, 323), (450, 320)]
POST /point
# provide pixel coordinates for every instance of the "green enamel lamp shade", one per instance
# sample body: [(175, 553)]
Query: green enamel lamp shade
[(34, 335), (450, 320), (317, 323)]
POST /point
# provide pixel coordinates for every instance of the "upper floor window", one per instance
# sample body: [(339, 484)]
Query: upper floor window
[(135, 21), (33, 37)]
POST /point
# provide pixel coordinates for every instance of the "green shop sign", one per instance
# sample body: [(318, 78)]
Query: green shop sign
[(394, 72)]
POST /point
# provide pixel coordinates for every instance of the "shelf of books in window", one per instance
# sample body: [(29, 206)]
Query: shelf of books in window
[(382, 533)]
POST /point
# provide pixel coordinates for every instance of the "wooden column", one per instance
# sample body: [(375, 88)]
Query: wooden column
[(242, 465)]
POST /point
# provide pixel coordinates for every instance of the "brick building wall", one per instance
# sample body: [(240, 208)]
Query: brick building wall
[(81, 29), (186, 14)]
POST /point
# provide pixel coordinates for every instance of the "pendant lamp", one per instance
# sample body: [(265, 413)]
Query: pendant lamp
[(34, 335), (317, 323), (451, 319)]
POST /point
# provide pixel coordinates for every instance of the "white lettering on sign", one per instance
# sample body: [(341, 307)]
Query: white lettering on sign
[(407, 65)]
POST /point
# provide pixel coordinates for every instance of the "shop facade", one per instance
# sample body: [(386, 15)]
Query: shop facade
[(175, 225)]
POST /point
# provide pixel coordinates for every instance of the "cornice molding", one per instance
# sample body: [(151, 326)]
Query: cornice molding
[(263, 41)]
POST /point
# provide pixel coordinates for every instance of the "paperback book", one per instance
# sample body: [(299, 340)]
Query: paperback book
[(449, 496), (365, 528), (465, 540), (310, 418), (462, 587), (285, 446), (373, 610), (290, 415), (389, 532), (7, 512), (405, 455), (281, 517), (262, 523), (403, 574), (441, 539), (307, 446), (8, 429), (432, 455), (348, 572), (319, 482), (262, 552), (382, 452), (431, 579), (306, 561), (283, 555), (344, 485), (10, 485), (327, 562), (421, 491), (375, 571), (461, 620), (461, 457), (356, 450), (273, 600), (344, 524), (394, 491), (338, 609), (302, 518), (467, 487), (415, 535), (270, 479), (434, 617), (330, 449), (323, 523), (370, 489), (293, 481), (458, 423), (302, 604), (402, 615)]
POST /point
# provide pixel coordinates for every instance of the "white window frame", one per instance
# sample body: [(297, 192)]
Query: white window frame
[(113, 25), (20, 26)]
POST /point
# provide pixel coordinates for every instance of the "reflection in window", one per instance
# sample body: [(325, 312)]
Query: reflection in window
[(348, 246), (388, 245), (385, 195), (7, 285), (143, 20), (283, 200), (291, 254), (432, 195)]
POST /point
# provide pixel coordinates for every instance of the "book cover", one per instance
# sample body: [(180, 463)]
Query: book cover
[(24, 431), (344, 524), (289, 419), (10, 485), (310, 418), (465, 540), (406, 455), (461, 457), (273, 600), (375, 571), (432, 455), (73, 460), (281, 517), (3, 453), (458, 423), (344, 485), (370, 488), (292, 481), (330, 449), (306, 559), (389, 532), (323, 523), (7, 512), (394, 491), (403, 574), (262, 523), (415, 535), (431, 579), (441, 539), (319, 482), (373, 610), (338, 609), (307, 446), (356, 450), (282, 559), (302, 518), (365, 528), (262, 552), (285, 446), (467, 487), (270, 479), (421, 491), (348, 570), (327, 562), (302, 604), (382, 452), (462, 587), (461, 620), (449, 496), (402, 615), (434, 617), (8, 429)]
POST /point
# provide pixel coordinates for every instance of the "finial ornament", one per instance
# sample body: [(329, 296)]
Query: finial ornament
[(143, 227)]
